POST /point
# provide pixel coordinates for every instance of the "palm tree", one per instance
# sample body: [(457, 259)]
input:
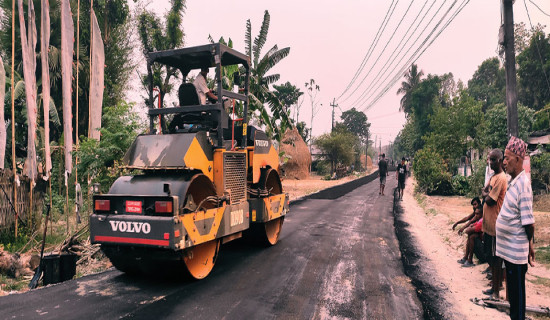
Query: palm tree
[(260, 92), (412, 79)]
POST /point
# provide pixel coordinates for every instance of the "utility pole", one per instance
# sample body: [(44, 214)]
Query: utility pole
[(510, 66), (333, 105)]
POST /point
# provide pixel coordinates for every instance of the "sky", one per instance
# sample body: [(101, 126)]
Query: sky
[(328, 41)]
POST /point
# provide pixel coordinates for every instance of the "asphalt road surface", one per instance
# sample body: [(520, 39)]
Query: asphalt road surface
[(336, 259)]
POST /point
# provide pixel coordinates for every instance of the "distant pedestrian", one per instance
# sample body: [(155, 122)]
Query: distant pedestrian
[(515, 227), (401, 175), (493, 195), (382, 172)]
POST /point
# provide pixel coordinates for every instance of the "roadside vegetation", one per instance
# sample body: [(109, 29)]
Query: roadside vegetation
[(450, 122)]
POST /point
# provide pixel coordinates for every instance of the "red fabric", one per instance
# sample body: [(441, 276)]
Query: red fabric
[(477, 225)]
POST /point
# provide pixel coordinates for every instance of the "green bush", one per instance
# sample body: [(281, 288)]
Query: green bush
[(540, 172), (477, 179), (431, 173), (461, 185)]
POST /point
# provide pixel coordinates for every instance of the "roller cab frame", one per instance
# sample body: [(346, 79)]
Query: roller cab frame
[(200, 180)]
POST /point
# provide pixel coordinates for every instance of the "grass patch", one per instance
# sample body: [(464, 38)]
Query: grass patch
[(420, 199), (541, 281), (543, 255), (9, 284)]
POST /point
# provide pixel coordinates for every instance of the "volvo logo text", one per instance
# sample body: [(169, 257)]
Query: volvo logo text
[(132, 227), (262, 143)]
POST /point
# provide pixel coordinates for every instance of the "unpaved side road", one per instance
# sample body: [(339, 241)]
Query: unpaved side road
[(336, 259)]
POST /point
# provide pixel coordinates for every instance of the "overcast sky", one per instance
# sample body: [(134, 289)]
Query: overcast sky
[(329, 40)]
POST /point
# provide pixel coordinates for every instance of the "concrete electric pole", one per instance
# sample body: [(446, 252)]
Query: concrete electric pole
[(333, 105), (510, 66)]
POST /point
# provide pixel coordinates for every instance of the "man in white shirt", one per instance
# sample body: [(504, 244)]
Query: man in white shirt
[(202, 88)]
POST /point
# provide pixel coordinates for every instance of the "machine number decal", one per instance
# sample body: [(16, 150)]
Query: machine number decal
[(237, 217), (131, 227), (133, 206)]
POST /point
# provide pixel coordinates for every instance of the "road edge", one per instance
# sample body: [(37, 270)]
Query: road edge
[(434, 304)]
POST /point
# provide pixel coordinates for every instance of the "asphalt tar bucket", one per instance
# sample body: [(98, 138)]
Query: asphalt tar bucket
[(59, 268)]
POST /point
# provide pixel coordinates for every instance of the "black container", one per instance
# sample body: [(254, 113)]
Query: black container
[(59, 268)]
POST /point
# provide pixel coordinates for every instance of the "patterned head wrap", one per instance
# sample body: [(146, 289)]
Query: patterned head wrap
[(517, 146)]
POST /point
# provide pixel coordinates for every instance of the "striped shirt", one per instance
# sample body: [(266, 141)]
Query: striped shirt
[(512, 244)]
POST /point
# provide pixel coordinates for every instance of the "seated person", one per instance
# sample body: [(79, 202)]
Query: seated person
[(202, 88), (473, 229)]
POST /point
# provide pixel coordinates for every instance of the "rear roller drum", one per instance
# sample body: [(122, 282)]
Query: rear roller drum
[(200, 259)]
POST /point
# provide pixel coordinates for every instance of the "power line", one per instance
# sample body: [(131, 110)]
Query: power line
[(392, 82), (539, 8), (384, 49), (537, 45), (364, 96), (415, 55), (372, 46), (384, 70)]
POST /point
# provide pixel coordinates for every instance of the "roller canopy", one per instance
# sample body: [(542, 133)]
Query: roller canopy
[(199, 56)]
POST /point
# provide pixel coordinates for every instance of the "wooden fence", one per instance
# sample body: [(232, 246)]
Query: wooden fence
[(23, 205)]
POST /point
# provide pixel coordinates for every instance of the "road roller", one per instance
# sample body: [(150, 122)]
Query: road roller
[(200, 177)]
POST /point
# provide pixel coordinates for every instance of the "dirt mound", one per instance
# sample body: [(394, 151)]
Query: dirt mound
[(366, 161), (296, 155)]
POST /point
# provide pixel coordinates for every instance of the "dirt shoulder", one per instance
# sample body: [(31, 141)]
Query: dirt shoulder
[(299, 188), (430, 220)]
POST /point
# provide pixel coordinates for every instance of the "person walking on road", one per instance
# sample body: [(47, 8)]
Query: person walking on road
[(515, 227), (493, 194), (382, 172), (401, 175)]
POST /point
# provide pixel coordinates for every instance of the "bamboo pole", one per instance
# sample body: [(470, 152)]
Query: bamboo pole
[(91, 41), (77, 67), (13, 113)]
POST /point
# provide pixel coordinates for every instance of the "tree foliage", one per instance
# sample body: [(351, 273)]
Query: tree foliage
[(534, 72), (431, 172), (488, 84), (260, 93), (454, 130), (494, 131), (114, 21), (337, 147), (412, 79), (100, 160), (157, 35)]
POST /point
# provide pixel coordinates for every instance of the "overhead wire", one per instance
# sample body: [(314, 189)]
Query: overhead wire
[(384, 69), (415, 56), (539, 8), (366, 98), (406, 66), (373, 44), (538, 48), (383, 50)]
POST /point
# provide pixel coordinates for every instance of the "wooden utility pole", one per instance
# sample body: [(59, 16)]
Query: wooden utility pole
[(510, 66), (333, 105)]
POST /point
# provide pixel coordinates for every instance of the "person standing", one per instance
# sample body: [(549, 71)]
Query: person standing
[(382, 172), (401, 175), (515, 227), (493, 194)]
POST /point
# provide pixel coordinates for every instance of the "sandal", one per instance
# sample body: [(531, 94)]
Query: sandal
[(468, 264), (461, 261)]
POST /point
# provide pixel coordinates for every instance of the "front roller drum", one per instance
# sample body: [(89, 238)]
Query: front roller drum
[(273, 230), (200, 259)]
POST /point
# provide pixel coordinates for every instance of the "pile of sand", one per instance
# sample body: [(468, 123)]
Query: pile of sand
[(297, 159)]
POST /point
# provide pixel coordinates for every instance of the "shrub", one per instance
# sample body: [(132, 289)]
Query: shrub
[(460, 185), (540, 171), (477, 179), (431, 173)]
